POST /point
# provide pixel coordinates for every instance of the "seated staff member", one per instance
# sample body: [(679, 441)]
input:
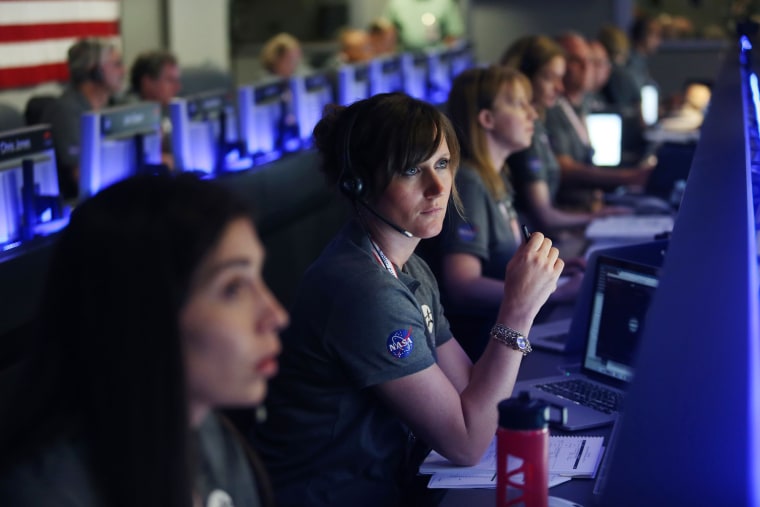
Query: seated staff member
[(96, 76), (566, 127), (282, 56), (535, 172), (154, 314), (491, 110), (369, 362), (155, 77)]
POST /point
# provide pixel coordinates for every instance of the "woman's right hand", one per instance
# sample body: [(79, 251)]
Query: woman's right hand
[(531, 276)]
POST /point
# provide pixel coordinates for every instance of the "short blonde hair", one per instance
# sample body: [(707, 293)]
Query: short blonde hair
[(275, 48)]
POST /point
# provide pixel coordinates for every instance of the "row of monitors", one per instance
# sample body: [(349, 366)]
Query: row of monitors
[(277, 116), (212, 133)]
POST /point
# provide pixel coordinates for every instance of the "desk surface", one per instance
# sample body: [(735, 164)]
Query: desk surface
[(538, 364)]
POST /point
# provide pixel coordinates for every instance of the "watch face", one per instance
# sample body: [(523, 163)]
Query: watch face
[(522, 343)]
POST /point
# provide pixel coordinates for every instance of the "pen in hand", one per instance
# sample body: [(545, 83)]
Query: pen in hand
[(526, 234)]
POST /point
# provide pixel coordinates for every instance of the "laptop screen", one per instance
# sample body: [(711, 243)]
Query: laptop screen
[(650, 104), (622, 293), (605, 132)]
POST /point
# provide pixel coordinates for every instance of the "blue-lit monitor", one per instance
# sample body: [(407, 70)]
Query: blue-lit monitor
[(353, 83), (312, 93), (386, 75), (460, 58), (30, 202), (439, 76), (444, 65), (690, 432), (268, 121), (205, 134), (117, 143), (416, 67)]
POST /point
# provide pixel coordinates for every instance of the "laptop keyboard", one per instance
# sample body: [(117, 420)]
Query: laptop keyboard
[(585, 393)]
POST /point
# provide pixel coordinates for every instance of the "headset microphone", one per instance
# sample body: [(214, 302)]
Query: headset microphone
[(381, 217), (353, 186)]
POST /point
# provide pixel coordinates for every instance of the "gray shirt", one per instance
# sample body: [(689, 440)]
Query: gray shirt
[(59, 475), (63, 115), (328, 438), (484, 231), (537, 163), (563, 136)]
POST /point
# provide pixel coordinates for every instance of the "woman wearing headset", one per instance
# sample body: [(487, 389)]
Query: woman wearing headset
[(370, 370)]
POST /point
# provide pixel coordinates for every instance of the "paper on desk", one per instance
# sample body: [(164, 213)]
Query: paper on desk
[(466, 481), (574, 456)]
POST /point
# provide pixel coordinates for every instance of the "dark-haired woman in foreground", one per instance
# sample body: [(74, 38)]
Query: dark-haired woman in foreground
[(369, 365), (154, 314)]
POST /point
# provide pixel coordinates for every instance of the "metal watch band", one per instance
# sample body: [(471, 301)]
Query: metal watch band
[(511, 338)]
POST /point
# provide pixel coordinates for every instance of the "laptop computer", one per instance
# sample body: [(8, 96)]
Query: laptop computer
[(620, 300)]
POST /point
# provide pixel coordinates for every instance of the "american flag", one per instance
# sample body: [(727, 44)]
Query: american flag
[(36, 34)]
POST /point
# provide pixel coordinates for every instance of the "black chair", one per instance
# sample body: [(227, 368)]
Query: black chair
[(203, 79), (10, 118), (35, 108)]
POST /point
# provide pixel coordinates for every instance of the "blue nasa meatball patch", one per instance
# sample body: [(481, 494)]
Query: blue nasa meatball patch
[(535, 165), (400, 343), (467, 232)]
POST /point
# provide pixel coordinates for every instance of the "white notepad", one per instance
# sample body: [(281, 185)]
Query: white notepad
[(569, 456), (629, 227)]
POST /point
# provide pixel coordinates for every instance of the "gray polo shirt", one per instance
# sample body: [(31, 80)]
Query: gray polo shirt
[(484, 231), (63, 115), (537, 163), (328, 438), (563, 137)]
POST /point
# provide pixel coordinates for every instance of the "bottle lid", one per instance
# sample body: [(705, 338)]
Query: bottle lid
[(523, 413)]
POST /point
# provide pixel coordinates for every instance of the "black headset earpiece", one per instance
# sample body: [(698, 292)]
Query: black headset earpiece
[(352, 186), (350, 183), (96, 74)]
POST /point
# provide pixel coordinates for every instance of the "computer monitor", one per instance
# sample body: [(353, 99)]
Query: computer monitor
[(439, 75), (386, 75), (30, 201), (461, 58), (353, 83), (268, 120), (205, 134), (119, 142), (444, 65), (650, 104), (605, 132), (416, 68), (690, 432), (312, 93)]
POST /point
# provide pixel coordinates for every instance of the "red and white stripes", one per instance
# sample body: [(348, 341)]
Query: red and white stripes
[(36, 34)]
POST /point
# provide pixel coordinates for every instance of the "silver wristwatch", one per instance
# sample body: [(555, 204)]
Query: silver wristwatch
[(511, 338)]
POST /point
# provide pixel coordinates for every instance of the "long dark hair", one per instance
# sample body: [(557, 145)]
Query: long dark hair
[(108, 364)]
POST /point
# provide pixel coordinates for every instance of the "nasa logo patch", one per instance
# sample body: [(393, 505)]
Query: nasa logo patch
[(467, 232), (400, 343), (535, 165)]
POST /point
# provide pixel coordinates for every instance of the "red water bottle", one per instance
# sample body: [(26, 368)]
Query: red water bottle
[(522, 467)]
